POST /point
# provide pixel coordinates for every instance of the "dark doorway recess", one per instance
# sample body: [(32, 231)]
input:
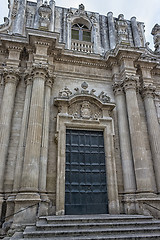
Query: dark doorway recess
[(85, 179)]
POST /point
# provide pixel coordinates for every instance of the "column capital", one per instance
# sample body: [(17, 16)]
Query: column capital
[(130, 82), (40, 70), (50, 81), (118, 88), (11, 76), (28, 79), (148, 91)]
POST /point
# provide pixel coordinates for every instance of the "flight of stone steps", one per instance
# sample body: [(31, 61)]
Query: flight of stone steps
[(93, 227)]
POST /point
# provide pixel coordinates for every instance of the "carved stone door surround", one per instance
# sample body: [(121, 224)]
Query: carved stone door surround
[(85, 111)]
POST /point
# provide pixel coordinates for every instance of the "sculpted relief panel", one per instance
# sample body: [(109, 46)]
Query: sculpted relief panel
[(85, 110)]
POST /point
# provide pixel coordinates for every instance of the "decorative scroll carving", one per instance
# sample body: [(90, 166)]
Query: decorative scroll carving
[(85, 110), (104, 98), (80, 13), (66, 93), (5, 24)]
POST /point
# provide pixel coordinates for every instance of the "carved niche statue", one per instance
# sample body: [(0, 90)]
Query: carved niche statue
[(122, 29), (45, 13), (156, 38)]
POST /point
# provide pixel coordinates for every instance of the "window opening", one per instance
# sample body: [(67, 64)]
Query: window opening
[(81, 32)]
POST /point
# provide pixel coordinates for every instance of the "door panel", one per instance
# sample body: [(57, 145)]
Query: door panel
[(85, 187)]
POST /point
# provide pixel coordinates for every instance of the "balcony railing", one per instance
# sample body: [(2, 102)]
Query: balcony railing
[(80, 46)]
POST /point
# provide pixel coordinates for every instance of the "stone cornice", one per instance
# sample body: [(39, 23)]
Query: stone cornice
[(83, 62)]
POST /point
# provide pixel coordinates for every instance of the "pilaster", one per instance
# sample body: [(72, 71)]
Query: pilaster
[(43, 210), (142, 167), (11, 78), (148, 93), (125, 146), (23, 133), (111, 26), (136, 36)]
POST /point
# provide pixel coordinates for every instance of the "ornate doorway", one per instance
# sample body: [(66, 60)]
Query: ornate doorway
[(76, 112), (85, 178)]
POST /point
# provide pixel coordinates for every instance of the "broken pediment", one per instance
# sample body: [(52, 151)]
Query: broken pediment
[(83, 103)]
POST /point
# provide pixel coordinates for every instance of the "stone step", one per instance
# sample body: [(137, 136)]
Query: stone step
[(31, 232), (93, 225), (151, 236), (94, 218)]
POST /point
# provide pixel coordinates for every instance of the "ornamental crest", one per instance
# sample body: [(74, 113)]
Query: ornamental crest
[(85, 110)]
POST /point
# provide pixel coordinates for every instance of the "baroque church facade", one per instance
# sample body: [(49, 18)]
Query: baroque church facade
[(80, 112)]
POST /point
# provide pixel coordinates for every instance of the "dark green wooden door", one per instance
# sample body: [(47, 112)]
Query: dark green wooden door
[(85, 180)]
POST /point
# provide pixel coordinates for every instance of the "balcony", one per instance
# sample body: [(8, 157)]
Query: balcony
[(82, 46)]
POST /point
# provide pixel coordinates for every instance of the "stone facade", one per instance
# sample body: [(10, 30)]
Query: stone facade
[(105, 78)]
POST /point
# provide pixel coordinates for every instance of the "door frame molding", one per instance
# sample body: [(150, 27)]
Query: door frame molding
[(105, 124)]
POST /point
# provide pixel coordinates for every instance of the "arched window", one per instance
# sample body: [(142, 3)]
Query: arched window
[(81, 32)]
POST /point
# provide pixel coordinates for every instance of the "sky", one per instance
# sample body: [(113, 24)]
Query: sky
[(147, 11)]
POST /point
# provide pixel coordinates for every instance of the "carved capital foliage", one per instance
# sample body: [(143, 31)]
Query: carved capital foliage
[(49, 82), (40, 71), (28, 79), (11, 76), (118, 88), (148, 91), (130, 82)]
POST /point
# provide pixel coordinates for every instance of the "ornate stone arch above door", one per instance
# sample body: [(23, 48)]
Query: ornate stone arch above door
[(85, 111)]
